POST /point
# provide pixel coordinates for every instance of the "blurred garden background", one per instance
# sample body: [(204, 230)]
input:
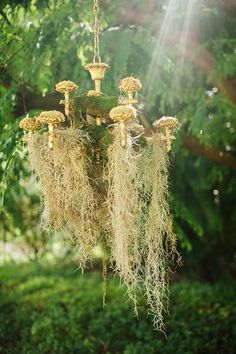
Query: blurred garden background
[(184, 52)]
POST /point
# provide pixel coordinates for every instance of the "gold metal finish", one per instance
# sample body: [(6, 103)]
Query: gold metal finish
[(97, 72), (29, 125), (96, 31), (97, 69), (52, 119), (92, 93), (66, 87), (98, 121), (166, 125), (121, 115), (127, 101), (130, 85)]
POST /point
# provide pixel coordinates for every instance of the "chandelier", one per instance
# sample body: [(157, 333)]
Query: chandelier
[(104, 181)]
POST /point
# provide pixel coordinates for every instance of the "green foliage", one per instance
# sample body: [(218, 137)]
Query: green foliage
[(53, 309), (96, 106)]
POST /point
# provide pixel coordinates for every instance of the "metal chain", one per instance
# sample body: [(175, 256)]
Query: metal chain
[(96, 49)]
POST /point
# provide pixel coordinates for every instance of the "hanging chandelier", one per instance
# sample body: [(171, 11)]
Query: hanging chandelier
[(104, 181)]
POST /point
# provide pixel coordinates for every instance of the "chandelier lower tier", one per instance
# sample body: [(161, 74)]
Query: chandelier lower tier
[(104, 181)]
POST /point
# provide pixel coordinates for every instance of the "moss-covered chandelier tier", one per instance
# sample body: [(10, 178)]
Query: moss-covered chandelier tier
[(104, 180)]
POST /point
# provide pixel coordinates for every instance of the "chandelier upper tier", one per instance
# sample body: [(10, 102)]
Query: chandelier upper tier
[(121, 111)]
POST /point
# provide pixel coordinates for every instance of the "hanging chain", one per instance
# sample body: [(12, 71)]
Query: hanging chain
[(96, 49)]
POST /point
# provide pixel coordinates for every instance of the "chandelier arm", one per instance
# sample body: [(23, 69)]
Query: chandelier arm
[(96, 31)]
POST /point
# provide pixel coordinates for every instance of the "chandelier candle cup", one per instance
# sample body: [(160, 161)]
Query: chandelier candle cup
[(93, 93), (127, 101), (166, 125), (97, 72), (121, 115), (98, 121), (30, 125), (52, 119), (66, 87)]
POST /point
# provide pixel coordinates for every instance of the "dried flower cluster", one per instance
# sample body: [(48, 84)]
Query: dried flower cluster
[(51, 117), (29, 124), (122, 113), (66, 86), (130, 84)]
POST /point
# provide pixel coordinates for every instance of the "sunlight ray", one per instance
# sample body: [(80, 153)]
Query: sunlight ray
[(185, 33), (166, 28)]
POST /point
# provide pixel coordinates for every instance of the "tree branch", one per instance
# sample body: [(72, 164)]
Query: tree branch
[(209, 152), (27, 100), (229, 5)]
